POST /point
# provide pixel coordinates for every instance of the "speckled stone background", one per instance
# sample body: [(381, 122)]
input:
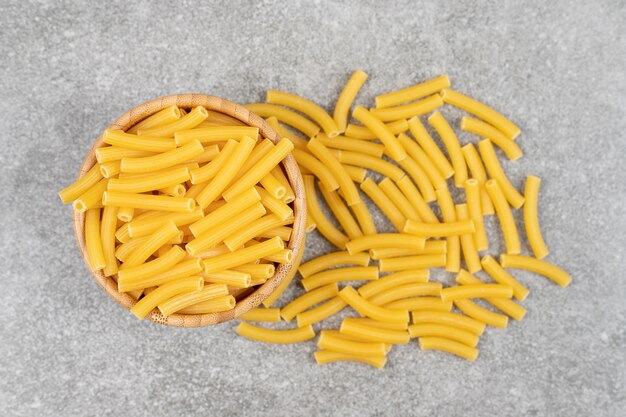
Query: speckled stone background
[(67, 69)]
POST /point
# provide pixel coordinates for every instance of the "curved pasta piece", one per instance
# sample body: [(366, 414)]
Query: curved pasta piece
[(309, 299), (346, 98), (307, 107), (163, 117), (531, 220), (406, 111), (321, 312), (329, 341), (367, 273), (450, 319), (143, 307), (208, 292), (477, 171), (367, 161), (286, 116), (445, 331), (327, 356), (373, 333), (383, 202), (275, 336), (507, 222), (450, 346), (362, 132), (366, 308), (190, 120), (475, 213), (495, 271), (451, 142), (459, 292), (509, 147), (497, 173), (317, 168), (470, 308), (407, 291), (456, 228), (537, 266), (213, 134), (412, 262), (414, 92), (470, 254), (384, 240), (373, 123), (331, 260), (262, 314), (429, 146), (324, 226), (93, 240), (392, 281)]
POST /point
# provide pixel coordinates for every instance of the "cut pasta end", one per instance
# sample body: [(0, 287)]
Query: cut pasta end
[(79, 206)]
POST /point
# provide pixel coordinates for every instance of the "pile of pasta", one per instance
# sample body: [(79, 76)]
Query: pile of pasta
[(186, 210), (393, 142)]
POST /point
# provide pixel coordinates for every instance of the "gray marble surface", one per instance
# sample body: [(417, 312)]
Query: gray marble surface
[(69, 68)]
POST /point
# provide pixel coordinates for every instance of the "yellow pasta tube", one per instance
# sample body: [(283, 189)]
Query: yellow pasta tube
[(233, 278), (228, 171), (429, 146), (324, 226), (209, 153), (384, 240), (263, 166), (262, 314), (495, 271), (123, 251), (243, 256), (460, 227), (317, 148), (92, 198), (139, 143), (317, 168), (190, 120), (407, 291), (163, 117), (431, 247), (93, 241), (145, 183), (180, 301), (213, 236), (383, 202), (330, 341), (312, 110), (470, 308), (392, 281), (286, 116), (495, 171), (110, 169), (341, 213), (207, 135), (537, 266), (482, 111), (122, 234), (476, 291), (278, 173), (509, 147), (422, 159), (450, 346), (380, 324), (82, 185), (412, 262), (367, 273), (373, 123), (414, 92), (444, 331), (276, 206), (191, 267), (470, 254), (321, 312), (159, 238), (475, 213), (346, 98), (395, 195), (284, 232), (323, 357), (355, 145), (275, 336), (284, 256), (531, 220), (257, 271), (373, 333), (149, 202), (417, 201), (217, 118), (309, 299), (298, 142), (107, 235), (162, 160), (507, 223), (210, 170), (364, 218), (214, 305), (273, 186), (449, 139), (419, 177), (115, 153), (406, 111), (131, 276), (362, 132), (367, 161), (506, 305), (165, 292), (368, 309), (419, 304), (476, 168), (331, 260), (145, 226), (226, 212), (125, 214), (449, 319)]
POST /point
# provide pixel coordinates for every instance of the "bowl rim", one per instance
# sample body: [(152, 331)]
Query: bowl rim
[(296, 243)]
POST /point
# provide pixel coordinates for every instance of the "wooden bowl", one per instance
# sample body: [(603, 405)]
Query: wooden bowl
[(246, 300)]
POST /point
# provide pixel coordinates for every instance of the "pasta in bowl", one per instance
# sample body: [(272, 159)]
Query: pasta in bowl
[(189, 210)]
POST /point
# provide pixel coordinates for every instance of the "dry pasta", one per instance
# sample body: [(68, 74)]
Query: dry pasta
[(531, 221), (384, 240), (346, 97), (468, 247), (331, 260), (262, 314), (510, 148), (332, 342), (93, 242), (450, 346), (324, 226), (368, 309), (323, 357), (260, 334), (393, 280), (451, 142), (208, 292), (477, 171), (495, 271), (362, 132), (366, 273), (384, 203), (373, 333), (507, 223), (495, 172), (450, 319), (309, 299), (190, 120), (538, 266), (208, 135), (160, 118), (315, 112), (406, 111), (396, 151), (429, 146), (321, 312), (413, 93), (286, 116)]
